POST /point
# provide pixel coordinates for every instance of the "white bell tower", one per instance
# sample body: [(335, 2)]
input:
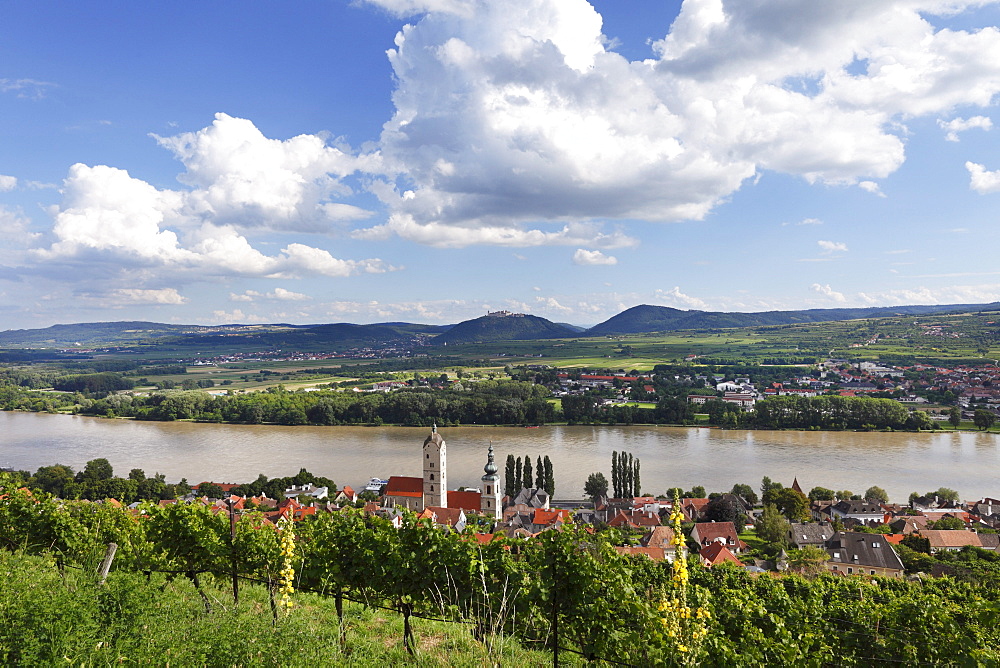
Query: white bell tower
[(435, 470)]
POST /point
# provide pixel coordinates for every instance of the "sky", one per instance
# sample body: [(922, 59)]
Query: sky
[(311, 161)]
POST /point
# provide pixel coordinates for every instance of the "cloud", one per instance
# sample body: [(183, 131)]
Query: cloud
[(168, 296), (587, 257), (827, 291), (241, 177), (445, 235), (832, 246), (805, 221), (108, 216), (15, 228), (872, 187), (675, 297), (279, 294), (981, 180), (956, 125), (7, 183), (25, 88), (514, 113)]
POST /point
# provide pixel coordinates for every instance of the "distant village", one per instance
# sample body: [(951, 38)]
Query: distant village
[(917, 385)]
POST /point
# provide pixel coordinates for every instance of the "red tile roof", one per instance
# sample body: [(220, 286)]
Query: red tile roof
[(716, 553), (400, 485), (465, 500)]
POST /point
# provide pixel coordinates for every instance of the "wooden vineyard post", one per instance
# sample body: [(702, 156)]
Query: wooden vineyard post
[(105, 567)]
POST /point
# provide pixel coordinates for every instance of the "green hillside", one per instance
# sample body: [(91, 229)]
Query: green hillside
[(503, 328), (647, 318)]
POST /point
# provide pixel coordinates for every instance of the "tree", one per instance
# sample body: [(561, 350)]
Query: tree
[(596, 485), (949, 523), (810, 560), (539, 473), (96, 469), (723, 509), (955, 417), (211, 490), (550, 478), (772, 527), (528, 478), (793, 505), (945, 494), (821, 494), (876, 494), (615, 475), (745, 492), (508, 476), (637, 487), (697, 492), (137, 474), (766, 488), (984, 419), (518, 476)]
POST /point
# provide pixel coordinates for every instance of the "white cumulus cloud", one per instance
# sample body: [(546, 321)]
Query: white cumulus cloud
[(832, 246), (7, 183), (829, 292), (510, 113), (871, 187), (593, 257), (168, 296), (981, 179), (956, 125)]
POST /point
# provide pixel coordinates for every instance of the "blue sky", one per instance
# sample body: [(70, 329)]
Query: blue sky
[(427, 160)]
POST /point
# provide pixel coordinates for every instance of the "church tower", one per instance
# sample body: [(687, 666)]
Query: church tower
[(489, 502), (435, 471)]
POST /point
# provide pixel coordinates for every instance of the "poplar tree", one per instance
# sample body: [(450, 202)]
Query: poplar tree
[(508, 476), (528, 479), (550, 479), (638, 487), (539, 473), (615, 477), (517, 477)]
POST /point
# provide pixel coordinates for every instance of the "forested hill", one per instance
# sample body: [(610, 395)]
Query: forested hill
[(299, 337), (503, 328), (647, 318)]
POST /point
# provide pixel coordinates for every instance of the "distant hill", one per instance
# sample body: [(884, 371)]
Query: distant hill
[(503, 328), (304, 337), (92, 334), (647, 318)]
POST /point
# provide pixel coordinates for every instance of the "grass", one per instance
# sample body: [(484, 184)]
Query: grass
[(48, 618)]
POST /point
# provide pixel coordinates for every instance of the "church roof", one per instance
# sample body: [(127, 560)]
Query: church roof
[(400, 485), (465, 500)]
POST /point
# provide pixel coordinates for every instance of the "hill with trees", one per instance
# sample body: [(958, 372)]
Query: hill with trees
[(511, 327), (648, 318)]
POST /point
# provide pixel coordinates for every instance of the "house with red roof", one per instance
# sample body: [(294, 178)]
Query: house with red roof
[(724, 533), (717, 553)]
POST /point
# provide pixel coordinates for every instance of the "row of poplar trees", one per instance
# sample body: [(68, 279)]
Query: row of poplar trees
[(624, 475), (518, 475)]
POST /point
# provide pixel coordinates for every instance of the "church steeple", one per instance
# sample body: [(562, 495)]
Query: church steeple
[(489, 503), (491, 466), (435, 470)]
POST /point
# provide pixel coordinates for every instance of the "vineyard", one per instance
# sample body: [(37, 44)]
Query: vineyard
[(310, 591)]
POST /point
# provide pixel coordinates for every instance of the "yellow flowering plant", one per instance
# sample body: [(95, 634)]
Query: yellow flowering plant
[(684, 627), (286, 581)]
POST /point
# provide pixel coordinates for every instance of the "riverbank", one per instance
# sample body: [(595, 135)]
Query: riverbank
[(671, 456)]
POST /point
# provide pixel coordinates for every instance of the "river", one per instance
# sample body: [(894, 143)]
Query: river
[(671, 456)]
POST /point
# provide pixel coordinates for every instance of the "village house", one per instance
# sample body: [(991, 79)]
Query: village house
[(725, 533), (863, 554), (942, 540)]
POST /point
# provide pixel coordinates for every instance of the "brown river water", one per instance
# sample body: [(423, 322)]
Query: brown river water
[(671, 456)]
